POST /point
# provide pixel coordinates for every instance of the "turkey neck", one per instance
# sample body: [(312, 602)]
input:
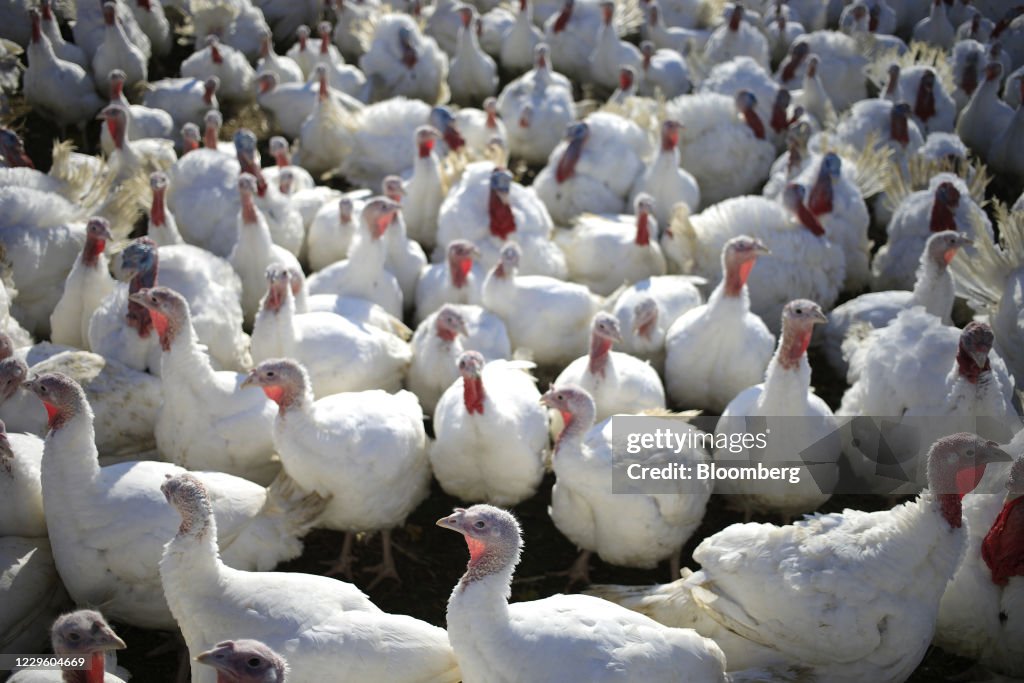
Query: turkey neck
[(92, 250), (94, 674), (138, 316), (942, 216), (473, 394), (788, 376), (459, 269), (600, 354), (274, 331), (933, 289), (69, 470), (191, 563), (187, 364), (502, 222)]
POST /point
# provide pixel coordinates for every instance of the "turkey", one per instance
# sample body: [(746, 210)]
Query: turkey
[(21, 494), (491, 432), (228, 65), (363, 274), (321, 625), (665, 181), (327, 446), (736, 38), (339, 354), (537, 108), (82, 634), (636, 529), (245, 661), (405, 257), (918, 367), (117, 51), (134, 157), (125, 401), (108, 525), (488, 208), (456, 281), (472, 75), (186, 99), (145, 122), (603, 252), (206, 422), (647, 310), (933, 289), (723, 143), (594, 168), (549, 317), (716, 350), (810, 445), (254, 248), (441, 338), (936, 29), (991, 281), (61, 91), (804, 261), (985, 116), (402, 62), (325, 137), (945, 205), (121, 330), (901, 559), (425, 190), (662, 71), (610, 54), (617, 382), (560, 637), (86, 286)]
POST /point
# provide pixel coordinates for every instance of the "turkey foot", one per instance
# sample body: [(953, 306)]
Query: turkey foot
[(343, 567), (579, 572), (674, 567), (386, 569)]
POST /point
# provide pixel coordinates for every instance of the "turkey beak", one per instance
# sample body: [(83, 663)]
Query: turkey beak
[(991, 452), (762, 249), (452, 521), (212, 657), (106, 639), (820, 317), (548, 399), (251, 380), (138, 298)]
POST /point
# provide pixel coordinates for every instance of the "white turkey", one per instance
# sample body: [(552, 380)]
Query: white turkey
[(455, 281), (841, 65), (985, 116), (809, 445), (362, 273), (594, 168), (549, 317), (366, 451), (122, 330), (245, 661), (254, 248), (325, 138), (116, 51), (723, 143), (339, 354), (206, 421), (403, 62), (230, 67), (804, 261), (61, 91), (537, 107), (488, 208), (610, 53), (979, 616), (945, 205), (647, 310), (491, 432), (559, 637), (323, 626), (146, 122), (125, 401), (186, 99), (617, 382), (992, 281), (330, 233), (718, 349), (472, 75), (665, 181), (736, 38), (637, 529), (933, 289), (108, 525), (85, 635), (405, 257), (897, 562), (605, 252), (86, 286)]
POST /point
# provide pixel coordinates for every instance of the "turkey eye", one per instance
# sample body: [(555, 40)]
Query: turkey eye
[(970, 452), (799, 311), (480, 525), (74, 637), (254, 662), (270, 373), (560, 397)]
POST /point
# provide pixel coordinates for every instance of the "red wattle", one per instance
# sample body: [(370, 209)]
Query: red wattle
[(274, 393), (502, 222), (51, 413), (1003, 547)]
